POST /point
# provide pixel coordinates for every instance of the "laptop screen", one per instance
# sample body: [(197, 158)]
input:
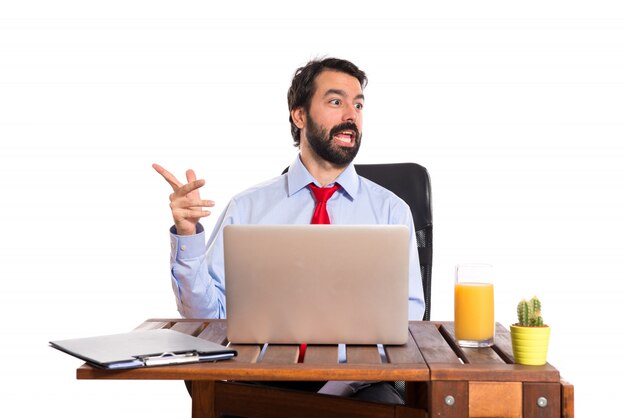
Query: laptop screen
[(317, 284)]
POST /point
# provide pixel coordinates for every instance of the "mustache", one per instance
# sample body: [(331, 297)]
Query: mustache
[(345, 126)]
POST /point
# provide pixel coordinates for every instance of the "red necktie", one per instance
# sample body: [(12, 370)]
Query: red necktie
[(320, 216), (322, 194)]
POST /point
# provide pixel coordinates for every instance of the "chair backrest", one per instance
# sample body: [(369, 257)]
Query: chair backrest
[(411, 183)]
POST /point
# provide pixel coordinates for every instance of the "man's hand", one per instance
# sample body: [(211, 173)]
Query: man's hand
[(185, 202)]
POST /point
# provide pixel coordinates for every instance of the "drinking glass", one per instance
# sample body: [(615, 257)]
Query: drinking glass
[(474, 323)]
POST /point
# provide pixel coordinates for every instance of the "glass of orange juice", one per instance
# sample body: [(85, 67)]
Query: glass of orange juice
[(473, 305)]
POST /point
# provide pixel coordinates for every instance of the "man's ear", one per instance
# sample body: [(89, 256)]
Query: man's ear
[(299, 117)]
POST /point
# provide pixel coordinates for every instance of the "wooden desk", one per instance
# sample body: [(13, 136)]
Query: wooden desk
[(443, 380)]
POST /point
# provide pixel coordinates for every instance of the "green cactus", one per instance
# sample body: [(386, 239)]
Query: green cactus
[(529, 313)]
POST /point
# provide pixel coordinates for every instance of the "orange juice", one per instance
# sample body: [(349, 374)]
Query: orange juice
[(473, 312)]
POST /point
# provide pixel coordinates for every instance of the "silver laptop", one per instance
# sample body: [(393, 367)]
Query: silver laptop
[(317, 284)]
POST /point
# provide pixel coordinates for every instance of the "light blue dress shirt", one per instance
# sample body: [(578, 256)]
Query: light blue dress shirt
[(197, 268)]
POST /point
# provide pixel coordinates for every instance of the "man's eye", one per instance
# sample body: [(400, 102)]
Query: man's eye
[(335, 102), (359, 106)]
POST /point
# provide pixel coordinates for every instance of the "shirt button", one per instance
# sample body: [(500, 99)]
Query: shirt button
[(183, 247)]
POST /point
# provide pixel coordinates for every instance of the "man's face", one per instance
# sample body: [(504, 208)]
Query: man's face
[(333, 122)]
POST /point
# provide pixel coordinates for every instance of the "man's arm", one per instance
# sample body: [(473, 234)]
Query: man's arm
[(402, 215), (197, 273), (416, 290), (198, 292)]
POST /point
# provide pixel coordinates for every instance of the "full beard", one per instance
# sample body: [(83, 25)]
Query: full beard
[(322, 142)]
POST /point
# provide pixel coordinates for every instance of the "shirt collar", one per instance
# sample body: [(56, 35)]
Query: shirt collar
[(298, 177)]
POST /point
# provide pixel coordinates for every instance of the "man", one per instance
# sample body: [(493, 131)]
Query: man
[(326, 105)]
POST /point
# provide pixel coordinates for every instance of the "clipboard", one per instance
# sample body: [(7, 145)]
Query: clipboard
[(150, 348)]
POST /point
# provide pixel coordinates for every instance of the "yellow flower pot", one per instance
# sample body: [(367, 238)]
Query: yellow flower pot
[(530, 344)]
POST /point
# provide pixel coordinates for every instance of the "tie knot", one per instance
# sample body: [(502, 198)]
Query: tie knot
[(322, 194)]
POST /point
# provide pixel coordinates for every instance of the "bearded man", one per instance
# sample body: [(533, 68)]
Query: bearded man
[(326, 114)]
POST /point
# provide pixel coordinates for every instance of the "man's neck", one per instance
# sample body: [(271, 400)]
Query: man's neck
[(323, 171)]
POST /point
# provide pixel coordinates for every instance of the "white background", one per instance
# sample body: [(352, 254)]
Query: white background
[(516, 108)]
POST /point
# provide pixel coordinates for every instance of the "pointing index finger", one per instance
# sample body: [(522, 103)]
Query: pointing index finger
[(169, 177)]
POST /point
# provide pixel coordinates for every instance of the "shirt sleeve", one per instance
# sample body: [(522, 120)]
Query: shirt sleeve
[(402, 215), (197, 271)]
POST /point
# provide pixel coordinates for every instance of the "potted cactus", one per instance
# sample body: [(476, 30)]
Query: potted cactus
[(530, 336)]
